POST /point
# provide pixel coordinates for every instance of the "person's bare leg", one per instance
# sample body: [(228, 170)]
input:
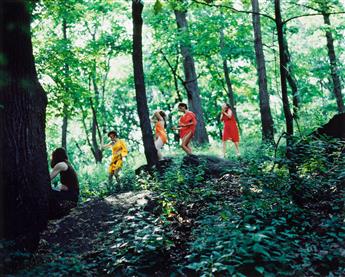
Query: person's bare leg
[(110, 180), (187, 144), (185, 141), (224, 148), (159, 145), (237, 149)]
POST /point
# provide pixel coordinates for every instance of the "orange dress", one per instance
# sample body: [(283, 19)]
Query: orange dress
[(188, 117), (160, 132), (230, 131)]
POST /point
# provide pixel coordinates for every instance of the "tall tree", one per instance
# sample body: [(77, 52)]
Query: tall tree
[(283, 78), (265, 110), (191, 82), (333, 63), (139, 79), (226, 72), (65, 112), (23, 162)]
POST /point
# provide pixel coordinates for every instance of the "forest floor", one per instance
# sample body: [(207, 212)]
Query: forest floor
[(199, 219), (78, 235)]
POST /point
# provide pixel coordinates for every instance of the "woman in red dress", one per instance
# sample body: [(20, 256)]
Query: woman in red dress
[(187, 125), (230, 131)]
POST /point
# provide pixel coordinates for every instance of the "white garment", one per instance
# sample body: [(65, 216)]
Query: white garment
[(159, 144)]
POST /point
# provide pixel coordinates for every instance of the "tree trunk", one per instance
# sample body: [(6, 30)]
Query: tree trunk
[(191, 83), (65, 110), (227, 77), (24, 175), (97, 151), (265, 110), (139, 79), (292, 81), (333, 65), (64, 128), (283, 72)]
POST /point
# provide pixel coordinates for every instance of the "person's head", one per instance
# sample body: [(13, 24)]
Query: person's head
[(59, 155), (182, 107), (112, 135), (225, 106)]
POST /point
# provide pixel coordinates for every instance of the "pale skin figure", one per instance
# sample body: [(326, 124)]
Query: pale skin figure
[(158, 140), (61, 166), (228, 113), (187, 138)]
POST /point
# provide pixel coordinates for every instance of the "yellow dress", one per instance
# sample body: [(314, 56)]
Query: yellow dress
[(119, 150)]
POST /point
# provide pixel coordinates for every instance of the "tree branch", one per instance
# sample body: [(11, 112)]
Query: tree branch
[(233, 9)]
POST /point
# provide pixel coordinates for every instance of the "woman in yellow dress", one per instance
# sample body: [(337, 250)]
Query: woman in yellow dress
[(119, 150)]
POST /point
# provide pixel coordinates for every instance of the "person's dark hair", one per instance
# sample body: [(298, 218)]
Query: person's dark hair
[(163, 114), (112, 132), (228, 106), (59, 155), (183, 105)]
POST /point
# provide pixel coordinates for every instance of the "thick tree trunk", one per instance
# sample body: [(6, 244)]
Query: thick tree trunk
[(191, 83), (333, 66), (65, 110), (23, 163), (139, 79), (265, 110)]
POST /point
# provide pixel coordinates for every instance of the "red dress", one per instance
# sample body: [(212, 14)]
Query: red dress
[(230, 131), (188, 117)]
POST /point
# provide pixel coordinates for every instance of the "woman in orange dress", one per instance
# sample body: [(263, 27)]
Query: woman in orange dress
[(187, 126), (161, 137), (230, 131)]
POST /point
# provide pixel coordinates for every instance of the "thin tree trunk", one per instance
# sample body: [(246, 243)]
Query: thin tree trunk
[(226, 71), (65, 110), (139, 79), (283, 73), (191, 83), (265, 110), (333, 65), (24, 176), (98, 152), (292, 81), (64, 128)]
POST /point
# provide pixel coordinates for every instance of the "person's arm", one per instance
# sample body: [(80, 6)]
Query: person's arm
[(228, 113), (108, 145), (62, 166), (159, 117)]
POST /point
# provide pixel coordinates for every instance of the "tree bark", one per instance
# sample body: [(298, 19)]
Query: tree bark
[(292, 81), (139, 80), (24, 175), (97, 151), (191, 83), (283, 72), (65, 110), (333, 66), (226, 71), (265, 110)]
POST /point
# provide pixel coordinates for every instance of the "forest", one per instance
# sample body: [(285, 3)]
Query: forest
[(117, 158)]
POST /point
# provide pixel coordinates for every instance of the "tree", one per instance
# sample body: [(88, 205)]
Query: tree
[(139, 79), (191, 82), (23, 163), (265, 110)]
